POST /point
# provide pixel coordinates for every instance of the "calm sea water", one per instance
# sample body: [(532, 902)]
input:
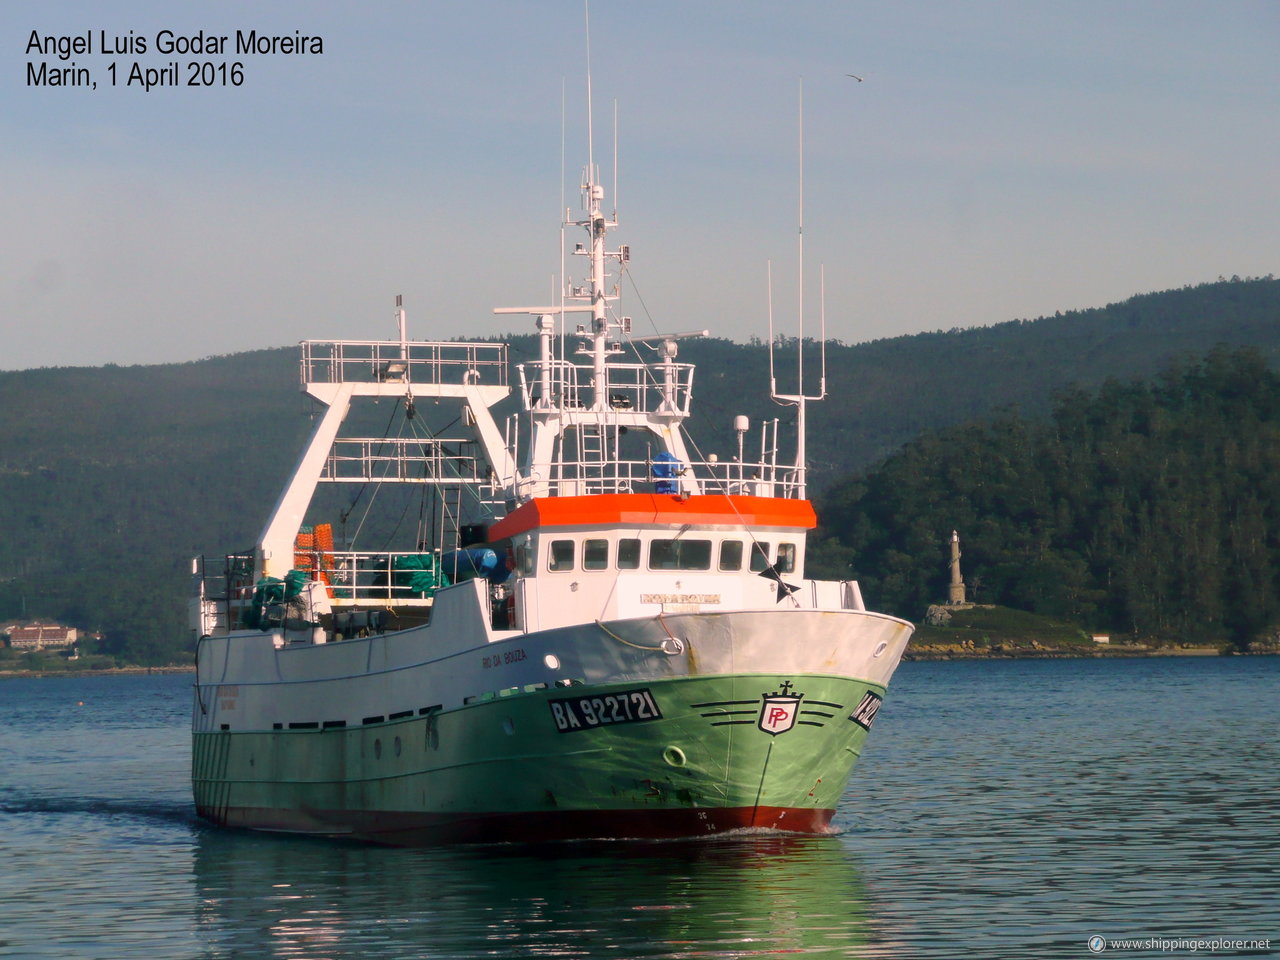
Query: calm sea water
[(1004, 809)]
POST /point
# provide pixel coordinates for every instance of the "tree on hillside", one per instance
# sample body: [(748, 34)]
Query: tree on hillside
[(1146, 507)]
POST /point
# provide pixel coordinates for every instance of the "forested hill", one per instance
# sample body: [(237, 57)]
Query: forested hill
[(1147, 508), (111, 478), (884, 392)]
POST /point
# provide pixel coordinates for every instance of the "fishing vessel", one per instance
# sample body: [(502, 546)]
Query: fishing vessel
[(584, 628)]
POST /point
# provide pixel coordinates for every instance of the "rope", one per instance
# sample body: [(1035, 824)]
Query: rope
[(694, 444), (662, 620), (669, 647), (622, 640)]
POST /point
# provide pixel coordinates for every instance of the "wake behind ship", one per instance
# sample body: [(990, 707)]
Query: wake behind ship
[(572, 624)]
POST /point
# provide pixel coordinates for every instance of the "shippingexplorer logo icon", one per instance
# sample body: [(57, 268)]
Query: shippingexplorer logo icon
[(774, 713)]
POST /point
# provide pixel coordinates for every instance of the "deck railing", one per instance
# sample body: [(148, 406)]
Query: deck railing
[(582, 477), (644, 388), (401, 460), (415, 361)]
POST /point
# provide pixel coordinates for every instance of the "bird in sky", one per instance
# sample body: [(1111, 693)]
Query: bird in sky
[(855, 76)]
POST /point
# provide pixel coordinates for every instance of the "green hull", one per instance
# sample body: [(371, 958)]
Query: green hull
[(661, 757)]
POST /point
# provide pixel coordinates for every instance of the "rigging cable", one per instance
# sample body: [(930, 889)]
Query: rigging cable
[(696, 449)]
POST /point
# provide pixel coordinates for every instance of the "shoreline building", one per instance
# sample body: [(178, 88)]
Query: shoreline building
[(29, 637)]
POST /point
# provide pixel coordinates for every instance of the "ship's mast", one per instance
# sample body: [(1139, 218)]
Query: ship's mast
[(598, 229), (618, 397), (800, 398)]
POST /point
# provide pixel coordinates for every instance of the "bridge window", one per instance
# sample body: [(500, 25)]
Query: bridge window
[(628, 554), (731, 555), (786, 558), (561, 555), (759, 557), (680, 555), (595, 554)]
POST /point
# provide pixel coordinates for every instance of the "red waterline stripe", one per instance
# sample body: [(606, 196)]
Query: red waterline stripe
[(399, 828)]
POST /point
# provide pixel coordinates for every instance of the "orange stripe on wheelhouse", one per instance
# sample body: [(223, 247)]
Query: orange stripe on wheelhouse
[(637, 509)]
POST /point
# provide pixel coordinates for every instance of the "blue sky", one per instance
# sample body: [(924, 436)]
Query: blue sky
[(1000, 160)]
